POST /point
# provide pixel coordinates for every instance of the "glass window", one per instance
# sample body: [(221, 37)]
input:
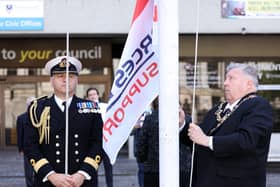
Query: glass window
[(209, 85)]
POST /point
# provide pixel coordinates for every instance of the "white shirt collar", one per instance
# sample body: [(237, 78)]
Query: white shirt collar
[(59, 102), (231, 106)]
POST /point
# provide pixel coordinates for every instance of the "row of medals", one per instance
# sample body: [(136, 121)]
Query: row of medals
[(87, 107)]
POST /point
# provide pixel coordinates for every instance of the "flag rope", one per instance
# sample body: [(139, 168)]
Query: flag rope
[(194, 83)]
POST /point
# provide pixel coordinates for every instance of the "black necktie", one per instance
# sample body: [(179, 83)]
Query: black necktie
[(64, 105)]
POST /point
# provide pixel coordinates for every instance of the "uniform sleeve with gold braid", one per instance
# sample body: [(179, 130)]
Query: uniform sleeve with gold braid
[(93, 162), (41, 167), (39, 164)]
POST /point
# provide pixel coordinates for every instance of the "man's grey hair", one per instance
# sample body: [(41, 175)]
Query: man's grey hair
[(247, 69)]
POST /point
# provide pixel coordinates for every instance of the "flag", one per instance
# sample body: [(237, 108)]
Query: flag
[(136, 81)]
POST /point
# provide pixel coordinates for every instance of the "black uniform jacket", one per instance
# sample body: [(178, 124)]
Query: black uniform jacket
[(85, 141), (241, 146), (21, 122)]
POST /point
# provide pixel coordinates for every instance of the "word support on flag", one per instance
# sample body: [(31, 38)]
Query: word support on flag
[(136, 81)]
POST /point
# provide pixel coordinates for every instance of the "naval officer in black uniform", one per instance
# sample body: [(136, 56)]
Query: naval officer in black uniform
[(44, 140), (232, 142)]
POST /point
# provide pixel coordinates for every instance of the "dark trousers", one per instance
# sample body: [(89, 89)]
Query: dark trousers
[(140, 174), (28, 172), (151, 179), (108, 169), (184, 179)]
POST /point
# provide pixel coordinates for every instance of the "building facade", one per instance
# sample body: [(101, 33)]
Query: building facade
[(228, 31)]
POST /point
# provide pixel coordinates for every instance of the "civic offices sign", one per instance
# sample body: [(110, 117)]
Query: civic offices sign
[(19, 15)]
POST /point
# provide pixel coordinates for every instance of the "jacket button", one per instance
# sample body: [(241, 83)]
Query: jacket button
[(57, 161)]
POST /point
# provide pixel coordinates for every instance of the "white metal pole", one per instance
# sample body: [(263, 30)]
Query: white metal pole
[(66, 105), (168, 95)]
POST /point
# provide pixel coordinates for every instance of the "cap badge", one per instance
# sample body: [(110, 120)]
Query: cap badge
[(63, 63)]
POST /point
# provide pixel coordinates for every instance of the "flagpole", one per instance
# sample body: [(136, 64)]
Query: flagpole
[(66, 105), (168, 95)]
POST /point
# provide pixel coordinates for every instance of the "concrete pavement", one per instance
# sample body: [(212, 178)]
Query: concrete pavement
[(12, 172), (124, 170)]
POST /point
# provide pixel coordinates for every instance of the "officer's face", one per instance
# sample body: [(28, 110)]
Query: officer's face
[(236, 85), (58, 82), (93, 95)]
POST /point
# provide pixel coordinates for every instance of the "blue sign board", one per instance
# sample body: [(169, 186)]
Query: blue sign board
[(14, 24)]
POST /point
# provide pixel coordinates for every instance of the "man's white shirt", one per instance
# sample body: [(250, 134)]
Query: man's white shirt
[(103, 108)]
